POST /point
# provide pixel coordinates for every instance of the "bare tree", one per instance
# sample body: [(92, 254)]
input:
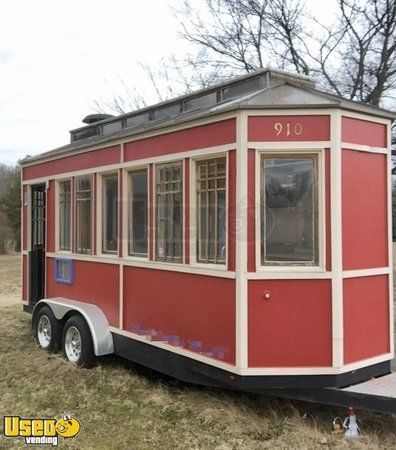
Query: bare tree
[(357, 57), (126, 99), (244, 35), (354, 57)]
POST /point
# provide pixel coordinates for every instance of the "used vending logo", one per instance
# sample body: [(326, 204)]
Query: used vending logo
[(41, 431)]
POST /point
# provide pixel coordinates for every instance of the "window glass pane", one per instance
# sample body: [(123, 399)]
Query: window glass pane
[(169, 212), (138, 216), (110, 214), (202, 232), (289, 211), (221, 227), (177, 224), (84, 215), (211, 214), (65, 215)]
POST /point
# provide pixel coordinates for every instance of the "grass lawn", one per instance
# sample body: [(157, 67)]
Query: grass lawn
[(124, 406)]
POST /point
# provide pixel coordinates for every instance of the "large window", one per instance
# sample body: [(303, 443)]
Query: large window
[(169, 212), (138, 213), (110, 214), (211, 211), (65, 215), (289, 210), (84, 215)]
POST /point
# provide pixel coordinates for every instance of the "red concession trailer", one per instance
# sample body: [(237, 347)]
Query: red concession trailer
[(237, 236)]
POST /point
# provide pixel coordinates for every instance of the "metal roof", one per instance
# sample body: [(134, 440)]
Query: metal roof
[(263, 89)]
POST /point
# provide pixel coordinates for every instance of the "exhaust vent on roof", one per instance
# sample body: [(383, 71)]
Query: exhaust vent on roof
[(92, 118)]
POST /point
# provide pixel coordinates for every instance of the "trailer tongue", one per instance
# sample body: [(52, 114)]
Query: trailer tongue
[(377, 394)]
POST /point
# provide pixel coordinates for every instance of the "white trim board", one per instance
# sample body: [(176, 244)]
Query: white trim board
[(366, 272), (241, 285), (291, 275), (363, 148), (288, 146), (336, 240), (145, 264)]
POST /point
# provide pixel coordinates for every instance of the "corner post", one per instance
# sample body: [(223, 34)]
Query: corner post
[(336, 239), (241, 287)]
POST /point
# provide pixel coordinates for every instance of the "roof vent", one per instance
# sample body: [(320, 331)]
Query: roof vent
[(93, 118)]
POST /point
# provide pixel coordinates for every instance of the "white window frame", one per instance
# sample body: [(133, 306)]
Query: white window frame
[(57, 210), (154, 206), (76, 178), (321, 266), (127, 188), (194, 213), (99, 213)]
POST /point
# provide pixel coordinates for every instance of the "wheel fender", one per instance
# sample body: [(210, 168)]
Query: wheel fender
[(99, 326)]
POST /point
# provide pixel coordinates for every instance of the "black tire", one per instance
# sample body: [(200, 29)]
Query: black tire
[(85, 355), (55, 334)]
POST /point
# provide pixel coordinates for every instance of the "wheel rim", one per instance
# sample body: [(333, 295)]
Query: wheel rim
[(44, 331), (73, 344)]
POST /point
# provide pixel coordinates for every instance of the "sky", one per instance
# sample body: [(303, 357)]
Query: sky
[(58, 57)]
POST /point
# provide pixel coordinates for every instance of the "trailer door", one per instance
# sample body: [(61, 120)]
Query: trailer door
[(37, 253)]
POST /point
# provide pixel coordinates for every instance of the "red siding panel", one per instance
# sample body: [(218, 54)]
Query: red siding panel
[(363, 132), (218, 133), (232, 172), (292, 328), (366, 317), (293, 128), (194, 308), (50, 217), (88, 160), (95, 283), (364, 210)]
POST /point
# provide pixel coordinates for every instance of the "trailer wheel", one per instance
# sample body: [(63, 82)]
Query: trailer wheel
[(48, 330), (77, 342)]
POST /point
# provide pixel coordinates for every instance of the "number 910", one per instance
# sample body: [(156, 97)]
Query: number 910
[(288, 129)]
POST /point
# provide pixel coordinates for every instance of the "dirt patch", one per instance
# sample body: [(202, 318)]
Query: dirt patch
[(10, 279)]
